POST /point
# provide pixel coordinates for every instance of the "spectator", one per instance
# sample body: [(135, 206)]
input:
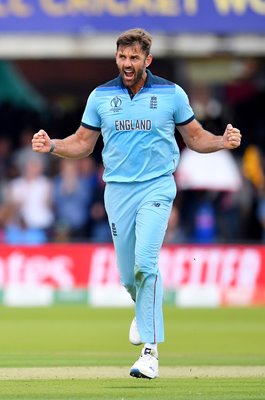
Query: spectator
[(5, 149), (71, 197), (204, 220), (29, 196), (24, 151), (99, 226), (174, 232)]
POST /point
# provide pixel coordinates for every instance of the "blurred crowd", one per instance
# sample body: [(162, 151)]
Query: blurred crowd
[(47, 199)]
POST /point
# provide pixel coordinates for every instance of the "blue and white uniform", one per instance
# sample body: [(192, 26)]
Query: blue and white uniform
[(140, 155)]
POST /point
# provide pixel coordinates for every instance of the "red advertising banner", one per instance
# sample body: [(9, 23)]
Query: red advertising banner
[(230, 268), (224, 265)]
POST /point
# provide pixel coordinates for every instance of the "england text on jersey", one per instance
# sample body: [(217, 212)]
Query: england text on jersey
[(130, 125)]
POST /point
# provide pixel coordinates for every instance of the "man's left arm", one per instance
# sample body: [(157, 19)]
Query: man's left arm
[(198, 139)]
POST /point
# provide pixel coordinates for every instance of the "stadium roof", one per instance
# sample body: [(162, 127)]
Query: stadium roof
[(28, 46)]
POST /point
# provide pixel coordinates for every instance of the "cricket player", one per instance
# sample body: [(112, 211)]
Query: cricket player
[(136, 113)]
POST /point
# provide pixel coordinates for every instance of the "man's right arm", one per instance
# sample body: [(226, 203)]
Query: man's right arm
[(78, 145)]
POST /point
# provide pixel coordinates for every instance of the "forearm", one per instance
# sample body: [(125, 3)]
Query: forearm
[(75, 146), (205, 142), (80, 144), (71, 147), (198, 139)]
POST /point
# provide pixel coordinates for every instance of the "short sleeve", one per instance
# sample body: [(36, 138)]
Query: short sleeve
[(183, 110), (91, 118)]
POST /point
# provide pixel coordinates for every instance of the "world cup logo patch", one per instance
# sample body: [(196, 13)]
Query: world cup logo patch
[(115, 104)]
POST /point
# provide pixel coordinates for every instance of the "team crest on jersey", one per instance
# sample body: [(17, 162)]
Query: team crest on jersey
[(115, 104), (153, 102)]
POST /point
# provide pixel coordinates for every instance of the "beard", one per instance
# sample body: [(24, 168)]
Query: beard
[(138, 76)]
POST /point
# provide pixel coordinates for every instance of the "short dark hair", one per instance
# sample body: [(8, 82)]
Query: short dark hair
[(133, 36)]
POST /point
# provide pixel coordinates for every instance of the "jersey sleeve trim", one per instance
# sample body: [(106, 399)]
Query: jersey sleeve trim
[(186, 122), (93, 128)]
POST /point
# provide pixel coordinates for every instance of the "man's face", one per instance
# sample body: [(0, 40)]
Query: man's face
[(132, 63)]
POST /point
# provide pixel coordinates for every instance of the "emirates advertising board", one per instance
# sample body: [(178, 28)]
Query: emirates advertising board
[(193, 276)]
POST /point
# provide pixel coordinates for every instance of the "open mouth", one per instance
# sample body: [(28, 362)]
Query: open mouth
[(129, 74)]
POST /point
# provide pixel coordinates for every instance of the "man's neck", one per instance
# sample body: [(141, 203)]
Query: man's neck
[(140, 84)]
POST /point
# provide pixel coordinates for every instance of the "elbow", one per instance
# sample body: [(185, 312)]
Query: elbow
[(191, 145), (196, 143), (90, 149), (85, 149), (88, 152)]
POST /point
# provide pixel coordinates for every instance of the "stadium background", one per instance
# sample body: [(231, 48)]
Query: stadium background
[(53, 54), (63, 316)]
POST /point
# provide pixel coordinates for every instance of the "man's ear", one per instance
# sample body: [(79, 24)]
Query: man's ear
[(148, 60)]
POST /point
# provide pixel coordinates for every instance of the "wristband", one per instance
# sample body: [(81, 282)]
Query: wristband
[(52, 146)]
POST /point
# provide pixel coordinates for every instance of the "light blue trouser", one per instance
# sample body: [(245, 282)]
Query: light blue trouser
[(138, 214)]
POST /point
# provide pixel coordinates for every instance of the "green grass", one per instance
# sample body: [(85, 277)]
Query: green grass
[(84, 336), (110, 389)]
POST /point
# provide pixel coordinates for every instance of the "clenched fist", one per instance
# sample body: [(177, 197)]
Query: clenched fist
[(41, 142), (231, 137)]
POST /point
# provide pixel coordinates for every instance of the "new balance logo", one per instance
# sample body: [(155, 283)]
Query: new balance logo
[(147, 350), (114, 229)]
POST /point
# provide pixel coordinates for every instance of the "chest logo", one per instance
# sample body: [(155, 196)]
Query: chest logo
[(115, 104), (153, 102)]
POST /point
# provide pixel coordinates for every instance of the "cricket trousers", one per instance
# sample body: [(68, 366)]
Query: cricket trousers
[(138, 214)]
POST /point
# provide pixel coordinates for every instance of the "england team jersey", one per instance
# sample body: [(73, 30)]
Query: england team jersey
[(138, 131)]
